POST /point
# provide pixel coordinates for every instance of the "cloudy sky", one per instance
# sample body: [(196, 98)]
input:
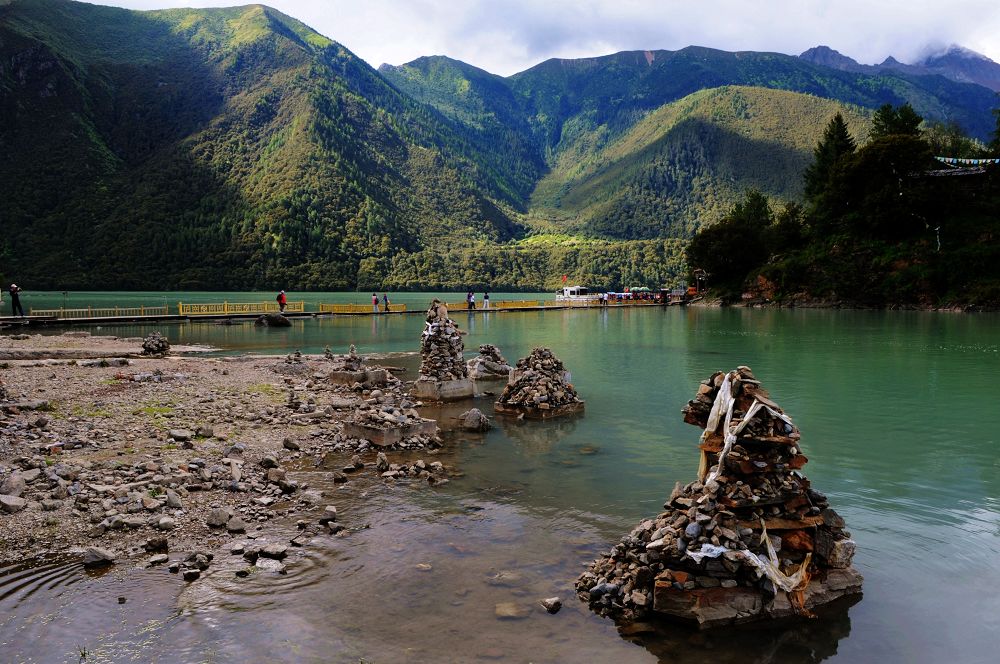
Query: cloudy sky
[(506, 36)]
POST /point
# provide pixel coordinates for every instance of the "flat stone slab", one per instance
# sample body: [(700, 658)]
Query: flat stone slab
[(538, 413), (443, 390), (374, 376), (717, 607), (392, 435)]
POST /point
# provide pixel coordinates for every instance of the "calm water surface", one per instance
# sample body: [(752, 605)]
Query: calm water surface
[(899, 420)]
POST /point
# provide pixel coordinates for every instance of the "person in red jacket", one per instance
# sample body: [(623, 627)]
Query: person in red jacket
[(282, 301)]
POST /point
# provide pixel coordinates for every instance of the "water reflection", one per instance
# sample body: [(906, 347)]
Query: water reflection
[(534, 437), (795, 641)]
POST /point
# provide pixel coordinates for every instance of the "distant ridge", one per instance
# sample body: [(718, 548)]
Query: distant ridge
[(955, 62)]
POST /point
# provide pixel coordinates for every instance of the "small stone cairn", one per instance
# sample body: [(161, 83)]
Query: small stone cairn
[(155, 344), (490, 363), (349, 362), (539, 387), (749, 540), (386, 416)]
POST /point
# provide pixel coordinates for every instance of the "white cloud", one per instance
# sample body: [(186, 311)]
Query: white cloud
[(505, 36)]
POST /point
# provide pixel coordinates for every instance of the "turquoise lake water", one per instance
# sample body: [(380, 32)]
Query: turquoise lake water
[(899, 419)]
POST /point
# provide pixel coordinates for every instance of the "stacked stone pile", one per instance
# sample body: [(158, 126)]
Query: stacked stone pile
[(750, 539), (433, 472), (389, 419), (441, 350), (538, 382), (349, 362), (155, 344), (490, 363), (385, 416)]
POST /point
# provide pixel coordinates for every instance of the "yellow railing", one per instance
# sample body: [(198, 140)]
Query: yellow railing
[(517, 304), (497, 304), (100, 312), (357, 308), (226, 308)]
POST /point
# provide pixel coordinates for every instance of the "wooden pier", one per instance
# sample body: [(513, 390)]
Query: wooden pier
[(249, 310)]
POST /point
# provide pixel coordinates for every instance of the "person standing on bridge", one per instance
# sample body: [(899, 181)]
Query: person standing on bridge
[(15, 301), (282, 301), (374, 303), (385, 302), (486, 300)]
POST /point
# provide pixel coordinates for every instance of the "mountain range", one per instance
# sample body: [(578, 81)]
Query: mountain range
[(955, 63), (238, 148)]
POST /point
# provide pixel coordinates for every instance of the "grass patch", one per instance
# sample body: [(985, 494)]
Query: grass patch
[(262, 388), (153, 410), (80, 411)]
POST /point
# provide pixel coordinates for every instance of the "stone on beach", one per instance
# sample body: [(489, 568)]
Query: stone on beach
[(12, 504), (95, 557)]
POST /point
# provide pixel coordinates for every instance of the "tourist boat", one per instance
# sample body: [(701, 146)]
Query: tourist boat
[(576, 294)]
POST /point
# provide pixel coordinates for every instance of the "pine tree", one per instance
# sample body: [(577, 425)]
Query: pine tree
[(836, 142), (901, 121)]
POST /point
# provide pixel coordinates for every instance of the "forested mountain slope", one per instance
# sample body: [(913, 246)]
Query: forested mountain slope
[(205, 148), (686, 162), (238, 148)]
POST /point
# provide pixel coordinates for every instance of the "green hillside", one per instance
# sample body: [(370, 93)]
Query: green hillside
[(686, 163), (202, 148), (482, 108)]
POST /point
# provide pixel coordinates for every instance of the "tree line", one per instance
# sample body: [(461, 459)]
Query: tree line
[(881, 224)]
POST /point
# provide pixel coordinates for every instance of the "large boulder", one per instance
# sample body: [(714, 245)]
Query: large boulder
[(12, 485), (95, 557), (474, 420), (272, 320), (12, 504)]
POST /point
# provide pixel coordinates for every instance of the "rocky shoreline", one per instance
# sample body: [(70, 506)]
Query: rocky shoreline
[(126, 457)]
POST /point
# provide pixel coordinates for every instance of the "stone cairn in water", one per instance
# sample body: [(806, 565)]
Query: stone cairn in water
[(155, 344), (750, 539), (490, 363), (441, 349), (539, 386)]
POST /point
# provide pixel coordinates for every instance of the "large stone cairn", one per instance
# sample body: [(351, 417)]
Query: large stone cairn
[(750, 539), (539, 381), (490, 363), (441, 349), (155, 344)]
